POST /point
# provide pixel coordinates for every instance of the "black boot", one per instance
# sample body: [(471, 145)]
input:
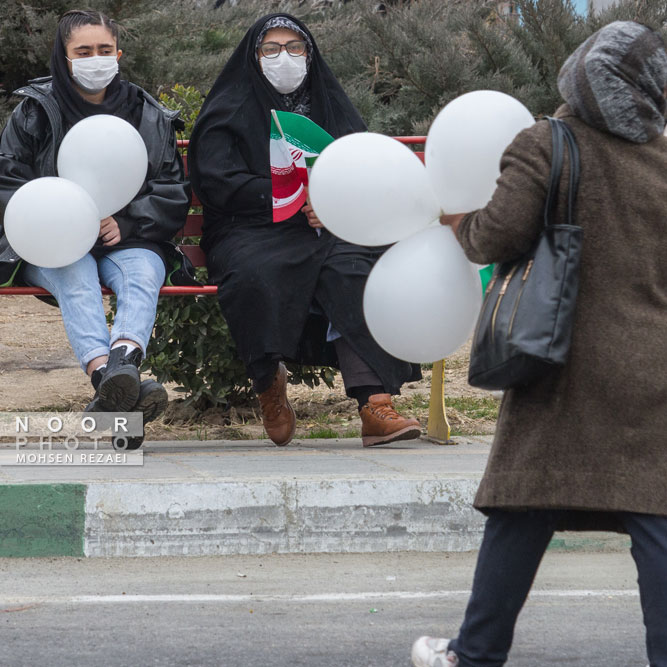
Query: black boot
[(118, 390), (152, 403)]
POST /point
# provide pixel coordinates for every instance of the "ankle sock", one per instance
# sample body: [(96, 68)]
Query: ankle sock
[(128, 347), (362, 394)]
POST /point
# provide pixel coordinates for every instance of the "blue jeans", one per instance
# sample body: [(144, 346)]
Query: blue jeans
[(511, 551), (135, 275)]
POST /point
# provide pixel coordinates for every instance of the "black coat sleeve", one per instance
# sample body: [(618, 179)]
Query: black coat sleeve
[(17, 153), (161, 207), (223, 181)]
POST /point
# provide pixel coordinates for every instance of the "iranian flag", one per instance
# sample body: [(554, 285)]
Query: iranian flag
[(294, 146)]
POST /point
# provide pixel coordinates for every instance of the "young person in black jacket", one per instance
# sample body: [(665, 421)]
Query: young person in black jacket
[(129, 256)]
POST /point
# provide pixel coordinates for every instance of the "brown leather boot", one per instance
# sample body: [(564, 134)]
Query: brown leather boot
[(380, 423), (277, 414)]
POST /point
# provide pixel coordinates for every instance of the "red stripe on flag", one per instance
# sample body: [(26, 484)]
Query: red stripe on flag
[(285, 212), (285, 184)]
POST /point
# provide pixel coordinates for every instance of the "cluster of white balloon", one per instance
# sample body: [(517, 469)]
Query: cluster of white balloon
[(54, 221), (423, 296)]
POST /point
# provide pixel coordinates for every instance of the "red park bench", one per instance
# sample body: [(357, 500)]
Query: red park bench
[(438, 427)]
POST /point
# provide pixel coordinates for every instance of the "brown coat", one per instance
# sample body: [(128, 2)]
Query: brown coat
[(593, 435)]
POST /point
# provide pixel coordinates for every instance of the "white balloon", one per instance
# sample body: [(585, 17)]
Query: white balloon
[(370, 189), (107, 157), (51, 222), (464, 146), (421, 299)]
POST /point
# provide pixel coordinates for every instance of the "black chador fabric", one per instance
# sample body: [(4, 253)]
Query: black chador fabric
[(229, 147), (270, 275), (120, 100)]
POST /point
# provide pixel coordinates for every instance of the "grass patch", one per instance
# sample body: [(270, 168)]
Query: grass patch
[(413, 403), (63, 407), (318, 433), (329, 433), (475, 408), (323, 420)]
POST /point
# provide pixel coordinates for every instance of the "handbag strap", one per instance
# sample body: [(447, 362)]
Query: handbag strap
[(561, 135), (575, 171)]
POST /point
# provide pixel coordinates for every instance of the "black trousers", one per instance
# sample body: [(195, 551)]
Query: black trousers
[(353, 369), (511, 551)]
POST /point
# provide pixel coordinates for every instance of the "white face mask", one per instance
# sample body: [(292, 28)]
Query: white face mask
[(95, 73), (285, 73)]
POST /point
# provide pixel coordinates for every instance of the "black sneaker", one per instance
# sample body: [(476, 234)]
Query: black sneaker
[(152, 403), (119, 386)]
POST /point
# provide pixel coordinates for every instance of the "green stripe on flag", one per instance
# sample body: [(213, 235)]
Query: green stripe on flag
[(42, 520), (302, 132)]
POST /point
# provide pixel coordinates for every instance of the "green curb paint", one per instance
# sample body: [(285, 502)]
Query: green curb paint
[(590, 542), (42, 520)]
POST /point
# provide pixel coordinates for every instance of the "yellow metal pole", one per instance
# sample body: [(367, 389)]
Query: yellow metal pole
[(438, 429)]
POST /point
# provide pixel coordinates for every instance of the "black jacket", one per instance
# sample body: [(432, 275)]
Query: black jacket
[(29, 148)]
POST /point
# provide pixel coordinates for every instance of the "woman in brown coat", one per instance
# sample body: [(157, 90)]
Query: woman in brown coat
[(586, 446)]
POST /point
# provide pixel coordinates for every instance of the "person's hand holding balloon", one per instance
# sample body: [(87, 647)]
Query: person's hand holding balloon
[(310, 214), (452, 221)]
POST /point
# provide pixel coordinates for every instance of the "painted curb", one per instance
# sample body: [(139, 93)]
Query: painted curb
[(296, 516), (252, 517), (42, 520)]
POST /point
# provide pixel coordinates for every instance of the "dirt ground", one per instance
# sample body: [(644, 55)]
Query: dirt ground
[(39, 372)]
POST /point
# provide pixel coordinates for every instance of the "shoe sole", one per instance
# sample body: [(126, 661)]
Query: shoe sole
[(131, 443), (151, 405), (120, 392), (407, 433)]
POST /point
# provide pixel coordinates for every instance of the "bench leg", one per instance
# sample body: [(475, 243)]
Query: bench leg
[(438, 429)]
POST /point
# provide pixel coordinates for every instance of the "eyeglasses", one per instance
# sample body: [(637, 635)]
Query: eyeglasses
[(297, 47)]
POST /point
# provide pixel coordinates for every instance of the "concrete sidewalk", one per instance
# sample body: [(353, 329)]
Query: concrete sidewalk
[(248, 497)]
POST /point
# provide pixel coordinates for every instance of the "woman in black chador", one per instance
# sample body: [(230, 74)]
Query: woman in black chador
[(274, 278)]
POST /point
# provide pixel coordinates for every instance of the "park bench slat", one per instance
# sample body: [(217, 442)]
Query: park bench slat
[(193, 225), (167, 290)]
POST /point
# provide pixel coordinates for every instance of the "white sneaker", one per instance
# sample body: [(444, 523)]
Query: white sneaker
[(432, 652)]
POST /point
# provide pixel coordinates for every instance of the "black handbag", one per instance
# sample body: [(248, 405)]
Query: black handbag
[(182, 272), (525, 325)]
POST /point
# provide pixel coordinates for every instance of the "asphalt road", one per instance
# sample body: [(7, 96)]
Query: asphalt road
[(323, 610)]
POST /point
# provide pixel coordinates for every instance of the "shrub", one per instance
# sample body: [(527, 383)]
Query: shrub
[(192, 347)]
